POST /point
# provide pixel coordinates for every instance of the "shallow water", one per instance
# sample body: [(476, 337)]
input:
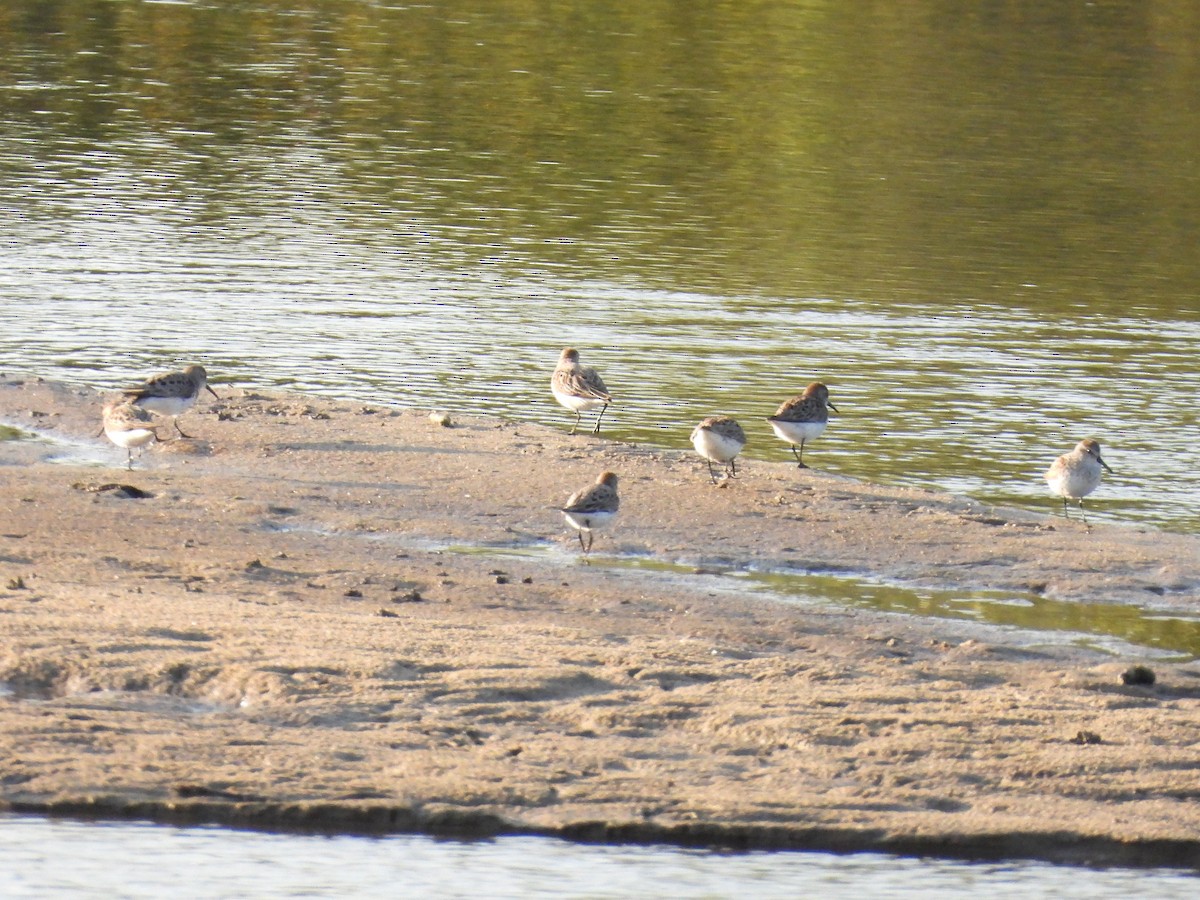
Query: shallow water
[(1122, 630), (976, 227), (135, 860), (8, 433), (1119, 629)]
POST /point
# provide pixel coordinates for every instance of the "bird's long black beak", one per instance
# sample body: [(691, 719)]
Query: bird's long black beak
[(1106, 468), (834, 408), (211, 391)]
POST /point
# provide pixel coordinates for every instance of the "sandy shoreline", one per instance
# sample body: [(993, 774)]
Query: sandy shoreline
[(301, 627)]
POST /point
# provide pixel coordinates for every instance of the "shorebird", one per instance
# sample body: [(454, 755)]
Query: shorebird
[(803, 418), (593, 508), (171, 394), (579, 388), (719, 439), (1076, 474), (128, 426)]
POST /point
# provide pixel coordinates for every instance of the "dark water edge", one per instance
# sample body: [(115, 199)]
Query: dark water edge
[(142, 859), (1057, 847)]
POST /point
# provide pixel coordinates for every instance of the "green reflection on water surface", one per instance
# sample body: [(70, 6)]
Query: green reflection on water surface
[(8, 433), (1084, 623), (804, 149)]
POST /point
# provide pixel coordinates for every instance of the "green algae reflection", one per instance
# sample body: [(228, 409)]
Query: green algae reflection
[(1087, 624), (8, 433), (1094, 622)]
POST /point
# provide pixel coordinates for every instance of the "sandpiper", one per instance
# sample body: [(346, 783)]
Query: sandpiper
[(172, 393), (592, 508), (1076, 474), (128, 426), (803, 418), (719, 439), (579, 388)]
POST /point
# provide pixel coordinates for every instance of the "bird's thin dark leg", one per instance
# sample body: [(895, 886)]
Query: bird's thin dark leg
[(574, 427), (1066, 511), (180, 430), (711, 473), (129, 464), (603, 410), (733, 468), (1084, 514), (799, 456)]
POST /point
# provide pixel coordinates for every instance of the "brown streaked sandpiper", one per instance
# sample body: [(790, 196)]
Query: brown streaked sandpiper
[(1076, 474), (719, 439), (593, 508), (803, 418), (171, 394), (579, 387), (128, 426)]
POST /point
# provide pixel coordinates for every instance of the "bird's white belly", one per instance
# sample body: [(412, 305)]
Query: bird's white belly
[(1074, 484), (130, 437), (589, 521), (166, 406), (797, 432), (715, 446), (575, 403)]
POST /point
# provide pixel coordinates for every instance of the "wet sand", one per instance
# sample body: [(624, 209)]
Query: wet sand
[(336, 617)]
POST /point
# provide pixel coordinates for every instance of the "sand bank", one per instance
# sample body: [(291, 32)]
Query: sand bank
[(338, 617)]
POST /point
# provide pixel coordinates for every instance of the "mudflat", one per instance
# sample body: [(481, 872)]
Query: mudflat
[(323, 615)]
